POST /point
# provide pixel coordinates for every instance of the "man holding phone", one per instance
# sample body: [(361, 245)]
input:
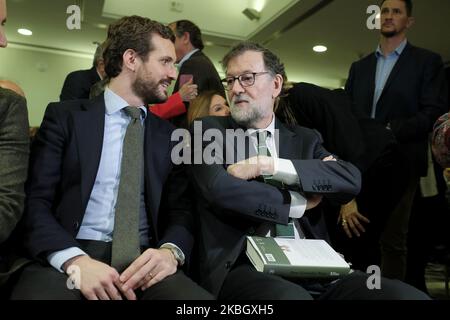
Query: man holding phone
[(193, 64)]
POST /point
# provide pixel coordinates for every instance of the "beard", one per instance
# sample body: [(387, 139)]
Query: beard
[(247, 116), (389, 34), (148, 90)]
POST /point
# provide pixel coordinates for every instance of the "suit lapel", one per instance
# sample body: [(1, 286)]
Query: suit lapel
[(398, 66), (89, 126), (372, 73), (288, 147)]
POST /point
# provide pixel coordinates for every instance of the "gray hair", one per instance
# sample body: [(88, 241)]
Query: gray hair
[(98, 55), (195, 35), (271, 61)]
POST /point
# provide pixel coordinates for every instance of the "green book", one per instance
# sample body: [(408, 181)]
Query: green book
[(296, 258)]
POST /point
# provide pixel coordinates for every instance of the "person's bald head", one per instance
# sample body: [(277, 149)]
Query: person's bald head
[(6, 84), (3, 41)]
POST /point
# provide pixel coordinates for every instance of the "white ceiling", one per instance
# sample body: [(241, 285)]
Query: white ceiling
[(221, 18), (290, 28)]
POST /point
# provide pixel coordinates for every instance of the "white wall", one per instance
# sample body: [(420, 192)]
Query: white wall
[(40, 74)]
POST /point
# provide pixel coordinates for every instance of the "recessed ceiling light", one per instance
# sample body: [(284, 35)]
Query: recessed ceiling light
[(25, 32), (320, 48)]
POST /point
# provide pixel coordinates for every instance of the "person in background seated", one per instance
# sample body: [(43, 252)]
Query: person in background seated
[(14, 151), (440, 141), (209, 103), (77, 84), (7, 84)]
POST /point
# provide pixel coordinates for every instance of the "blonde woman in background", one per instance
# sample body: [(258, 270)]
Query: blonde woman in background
[(209, 103)]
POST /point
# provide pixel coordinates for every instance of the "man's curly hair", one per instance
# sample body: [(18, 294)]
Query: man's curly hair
[(133, 32)]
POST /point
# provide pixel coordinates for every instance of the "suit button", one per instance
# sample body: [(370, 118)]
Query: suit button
[(228, 265), (76, 225)]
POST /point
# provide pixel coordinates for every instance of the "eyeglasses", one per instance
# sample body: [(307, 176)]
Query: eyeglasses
[(245, 79)]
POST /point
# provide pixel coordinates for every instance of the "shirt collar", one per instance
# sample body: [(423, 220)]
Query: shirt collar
[(270, 128), (115, 103), (398, 51), (186, 57)]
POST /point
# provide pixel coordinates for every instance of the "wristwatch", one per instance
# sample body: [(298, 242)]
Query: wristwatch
[(177, 253)]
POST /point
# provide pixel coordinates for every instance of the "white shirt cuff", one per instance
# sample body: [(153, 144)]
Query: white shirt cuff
[(284, 171), (298, 205), (57, 259)]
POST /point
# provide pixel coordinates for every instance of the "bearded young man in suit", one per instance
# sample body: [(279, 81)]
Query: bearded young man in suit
[(78, 213), (403, 88), (233, 199)]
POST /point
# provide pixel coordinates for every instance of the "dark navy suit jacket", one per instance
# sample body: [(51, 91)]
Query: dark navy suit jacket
[(414, 96), (230, 208), (77, 84)]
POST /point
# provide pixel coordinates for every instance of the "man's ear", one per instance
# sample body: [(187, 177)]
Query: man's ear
[(130, 60), (411, 22), (186, 38), (278, 85), (101, 68)]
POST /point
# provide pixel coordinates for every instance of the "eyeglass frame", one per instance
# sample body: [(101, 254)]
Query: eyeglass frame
[(229, 87)]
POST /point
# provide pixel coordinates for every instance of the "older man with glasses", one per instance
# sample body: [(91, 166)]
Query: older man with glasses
[(275, 184)]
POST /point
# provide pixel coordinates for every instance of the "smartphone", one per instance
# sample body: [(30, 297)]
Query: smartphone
[(185, 78)]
